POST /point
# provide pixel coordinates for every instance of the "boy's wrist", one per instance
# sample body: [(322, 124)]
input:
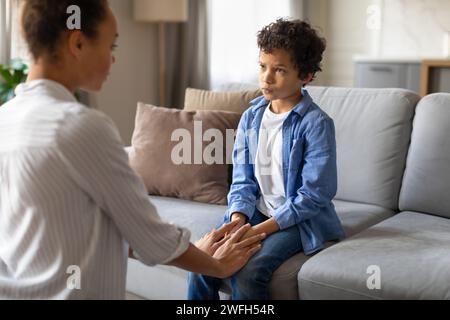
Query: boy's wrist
[(238, 215)]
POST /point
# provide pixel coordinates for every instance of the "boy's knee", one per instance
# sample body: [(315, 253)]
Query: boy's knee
[(253, 272), (194, 277)]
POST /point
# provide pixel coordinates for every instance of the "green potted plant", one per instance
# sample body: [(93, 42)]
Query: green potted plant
[(11, 75)]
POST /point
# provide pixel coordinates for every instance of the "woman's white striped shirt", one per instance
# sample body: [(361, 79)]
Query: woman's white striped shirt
[(69, 201)]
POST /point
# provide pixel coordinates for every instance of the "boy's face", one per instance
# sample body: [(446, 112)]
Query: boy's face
[(278, 77)]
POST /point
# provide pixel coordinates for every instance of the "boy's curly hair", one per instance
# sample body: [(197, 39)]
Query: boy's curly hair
[(298, 38)]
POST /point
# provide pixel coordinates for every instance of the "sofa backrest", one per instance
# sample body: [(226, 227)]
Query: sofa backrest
[(373, 128), (426, 184)]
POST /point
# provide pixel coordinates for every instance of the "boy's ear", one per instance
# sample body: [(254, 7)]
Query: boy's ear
[(307, 79)]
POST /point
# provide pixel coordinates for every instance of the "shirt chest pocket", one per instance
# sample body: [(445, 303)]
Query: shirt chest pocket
[(296, 155)]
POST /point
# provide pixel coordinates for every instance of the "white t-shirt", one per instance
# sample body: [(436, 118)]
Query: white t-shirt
[(269, 162)]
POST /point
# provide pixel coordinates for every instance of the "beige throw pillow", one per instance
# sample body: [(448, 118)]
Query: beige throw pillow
[(177, 155), (196, 99)]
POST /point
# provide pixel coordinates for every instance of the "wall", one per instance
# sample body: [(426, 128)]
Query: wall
[(415, 27), (343, 23), (134, 77), (316, 13), (410, 28)]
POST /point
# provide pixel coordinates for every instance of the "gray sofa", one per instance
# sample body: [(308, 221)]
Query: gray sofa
[(393, 200)]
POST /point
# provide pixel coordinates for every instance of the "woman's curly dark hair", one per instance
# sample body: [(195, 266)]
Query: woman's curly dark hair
[(298, 38)]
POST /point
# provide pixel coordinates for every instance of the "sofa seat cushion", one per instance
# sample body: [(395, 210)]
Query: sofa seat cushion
[(355, 217), (165, 282), (411, 250), (198, 217)]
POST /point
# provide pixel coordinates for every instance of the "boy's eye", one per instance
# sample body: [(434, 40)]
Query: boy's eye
[(282, 71), (114, 47)]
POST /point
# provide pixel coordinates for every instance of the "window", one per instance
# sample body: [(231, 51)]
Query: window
[(233, 28), (12, 45), (5, 32)]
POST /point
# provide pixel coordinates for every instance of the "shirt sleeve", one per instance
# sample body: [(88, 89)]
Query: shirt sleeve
[(244, 188), (319, 177), (91, 148)]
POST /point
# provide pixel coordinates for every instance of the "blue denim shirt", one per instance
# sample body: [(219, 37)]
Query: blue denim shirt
[(309, 172)]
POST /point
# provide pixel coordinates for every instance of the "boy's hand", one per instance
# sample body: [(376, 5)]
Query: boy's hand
[(268, 227), (240, 218), (214, 239), (250, 233)]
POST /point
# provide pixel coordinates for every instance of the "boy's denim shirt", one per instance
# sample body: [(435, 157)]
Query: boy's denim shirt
[(309, 172)]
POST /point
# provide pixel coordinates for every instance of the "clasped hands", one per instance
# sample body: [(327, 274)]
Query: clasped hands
[(233, 243)]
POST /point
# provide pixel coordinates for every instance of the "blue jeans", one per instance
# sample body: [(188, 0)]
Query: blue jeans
[(252, 281)]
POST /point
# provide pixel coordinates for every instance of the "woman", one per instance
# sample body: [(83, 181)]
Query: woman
[(69, 202)]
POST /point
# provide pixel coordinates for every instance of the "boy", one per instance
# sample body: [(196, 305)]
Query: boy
[(284, 176)]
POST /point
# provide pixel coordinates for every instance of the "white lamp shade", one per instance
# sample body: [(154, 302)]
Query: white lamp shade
[(161, 10)]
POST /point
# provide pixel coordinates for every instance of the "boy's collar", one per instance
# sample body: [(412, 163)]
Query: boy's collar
[(300, 108)]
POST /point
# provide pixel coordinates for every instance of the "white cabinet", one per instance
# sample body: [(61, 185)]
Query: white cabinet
[(387, 74)]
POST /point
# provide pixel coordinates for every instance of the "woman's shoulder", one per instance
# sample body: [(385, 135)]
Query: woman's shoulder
[(81, 121), (80, 114)]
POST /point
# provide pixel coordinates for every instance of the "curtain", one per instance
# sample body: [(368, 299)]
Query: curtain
[(187, 54), (297, 9), (12, 45), (218, 43), (5, 31), (234, 25)]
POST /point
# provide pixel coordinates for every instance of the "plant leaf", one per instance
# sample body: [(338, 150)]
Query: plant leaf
[(18, 64), (7, 76)]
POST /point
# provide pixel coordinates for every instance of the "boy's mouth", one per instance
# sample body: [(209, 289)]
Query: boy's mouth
[(267, 91)]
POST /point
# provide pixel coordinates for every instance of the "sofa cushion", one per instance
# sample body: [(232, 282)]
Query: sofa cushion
[(166, 282), (184, 154), (373, 128), (411, 250), (196, 99), (201, 218), (427, 175), (356, 217)]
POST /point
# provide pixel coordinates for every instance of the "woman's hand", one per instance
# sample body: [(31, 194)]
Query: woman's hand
[(228, 258), (234, 253), (214, 239)]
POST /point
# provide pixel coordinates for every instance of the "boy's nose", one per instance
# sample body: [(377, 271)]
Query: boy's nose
[(268, 77)]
